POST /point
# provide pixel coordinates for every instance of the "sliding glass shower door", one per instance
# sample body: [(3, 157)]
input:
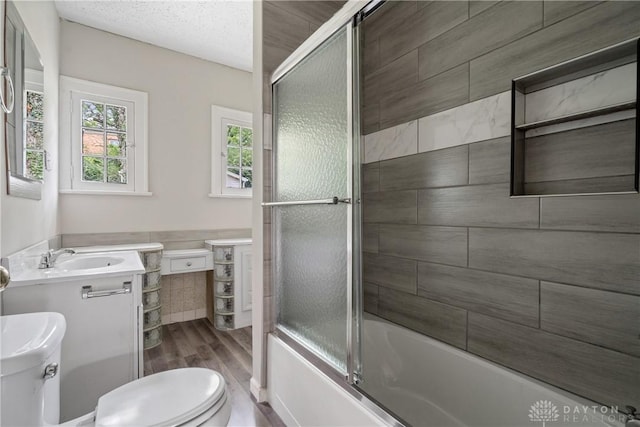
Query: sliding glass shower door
[(312, 210)]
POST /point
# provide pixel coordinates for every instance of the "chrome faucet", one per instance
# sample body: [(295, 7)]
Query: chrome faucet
[(49, 258)]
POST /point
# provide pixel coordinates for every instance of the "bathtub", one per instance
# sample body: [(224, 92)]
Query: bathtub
[(428, 383)]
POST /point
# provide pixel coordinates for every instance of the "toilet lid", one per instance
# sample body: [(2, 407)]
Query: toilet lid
[(166, 398)]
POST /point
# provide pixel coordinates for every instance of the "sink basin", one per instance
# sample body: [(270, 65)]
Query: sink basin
[(88, 262), (79, 266), (29, 338)]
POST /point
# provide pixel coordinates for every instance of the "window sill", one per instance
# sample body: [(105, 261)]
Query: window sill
[(105, 193), (229, 196)]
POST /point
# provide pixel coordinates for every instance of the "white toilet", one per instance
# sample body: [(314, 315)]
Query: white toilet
[(30, 385)]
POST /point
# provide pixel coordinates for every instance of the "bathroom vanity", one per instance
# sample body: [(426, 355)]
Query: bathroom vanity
[(100, 296)]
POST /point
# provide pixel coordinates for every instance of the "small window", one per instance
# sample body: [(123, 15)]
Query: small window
[(232, 153), (34, 156), (103, 151), (104, 142)]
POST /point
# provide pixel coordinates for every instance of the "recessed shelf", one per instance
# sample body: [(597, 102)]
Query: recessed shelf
[(626, 106), (574, 126)]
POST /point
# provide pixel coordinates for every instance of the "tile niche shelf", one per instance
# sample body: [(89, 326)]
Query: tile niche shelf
[(574, 127)]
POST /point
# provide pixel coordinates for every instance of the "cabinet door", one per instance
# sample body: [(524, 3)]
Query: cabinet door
[(100, 345)]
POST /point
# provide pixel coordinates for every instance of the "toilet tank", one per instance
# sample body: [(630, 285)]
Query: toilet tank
[(28, 397)]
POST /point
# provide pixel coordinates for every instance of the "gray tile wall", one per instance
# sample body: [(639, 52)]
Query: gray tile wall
[(549, 286), (523, 282), (535, 297), (424, 57)]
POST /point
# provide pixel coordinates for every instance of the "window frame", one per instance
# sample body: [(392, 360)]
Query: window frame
[(72, 92), (220, 118)]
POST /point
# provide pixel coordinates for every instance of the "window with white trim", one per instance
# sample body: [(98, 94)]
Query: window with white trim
[(232, 153), (103, 144)]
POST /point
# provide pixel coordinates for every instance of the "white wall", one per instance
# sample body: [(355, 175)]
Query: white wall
[(25, 221), (181, 91)]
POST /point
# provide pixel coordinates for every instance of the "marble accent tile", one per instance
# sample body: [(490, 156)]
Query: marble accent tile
[(266, 132), (177, 317), (480, 120), (397, 141), (188, 315), (201, 313), (166, 319), (587, 93)]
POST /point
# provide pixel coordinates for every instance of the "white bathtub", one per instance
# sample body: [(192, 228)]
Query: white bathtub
[(428, 383)]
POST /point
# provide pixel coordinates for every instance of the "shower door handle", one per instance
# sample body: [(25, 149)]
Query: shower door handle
[(333, 201)]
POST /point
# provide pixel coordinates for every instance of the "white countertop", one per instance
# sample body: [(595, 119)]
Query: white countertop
[(31, 275)]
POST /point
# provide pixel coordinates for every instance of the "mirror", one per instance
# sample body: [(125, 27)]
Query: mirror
[(24, 126)]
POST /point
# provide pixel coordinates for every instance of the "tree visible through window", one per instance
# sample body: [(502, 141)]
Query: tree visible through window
[(104, 142), (34, 136), (239, 156)]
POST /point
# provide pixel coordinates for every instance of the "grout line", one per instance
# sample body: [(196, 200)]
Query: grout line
[(468, 232), (539, 212), (469, 82), (468, 164), (539, 304), (486, 227), (466, 332)]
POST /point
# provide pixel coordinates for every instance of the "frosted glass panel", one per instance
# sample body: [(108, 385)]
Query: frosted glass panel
[(311, 125), (312, 277), (311, 150)]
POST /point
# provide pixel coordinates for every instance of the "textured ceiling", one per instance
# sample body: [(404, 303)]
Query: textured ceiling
[(216, 30)]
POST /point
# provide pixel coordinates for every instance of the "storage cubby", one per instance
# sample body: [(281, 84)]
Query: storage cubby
[(151, 303), (574, 127), (229, 284)]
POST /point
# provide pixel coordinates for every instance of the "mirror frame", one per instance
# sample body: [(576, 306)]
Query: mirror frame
[(18, 185)]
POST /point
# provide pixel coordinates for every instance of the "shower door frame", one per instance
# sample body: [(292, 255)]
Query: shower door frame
[(346, 19), (352, 197), (349, 18)]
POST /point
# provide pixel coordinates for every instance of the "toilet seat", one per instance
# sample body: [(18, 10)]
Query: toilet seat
[(173, 397)]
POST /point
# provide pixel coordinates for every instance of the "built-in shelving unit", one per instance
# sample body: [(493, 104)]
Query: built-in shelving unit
[(559, 114), (151, 302), (230, 288)]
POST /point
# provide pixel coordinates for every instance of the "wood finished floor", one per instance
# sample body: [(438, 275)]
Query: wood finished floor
[(198, 343)]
